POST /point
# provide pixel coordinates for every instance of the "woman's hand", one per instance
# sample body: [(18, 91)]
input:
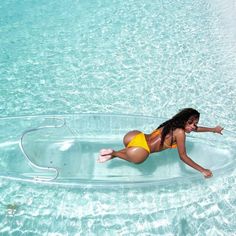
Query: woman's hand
[(218, 129), (207, 173)]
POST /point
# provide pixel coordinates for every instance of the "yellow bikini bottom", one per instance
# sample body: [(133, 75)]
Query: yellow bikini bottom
[(139, 141)]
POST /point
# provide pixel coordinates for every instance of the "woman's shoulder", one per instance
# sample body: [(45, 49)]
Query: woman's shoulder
[(179, 132)]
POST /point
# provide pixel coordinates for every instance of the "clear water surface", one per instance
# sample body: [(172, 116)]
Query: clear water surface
[(133, 57)]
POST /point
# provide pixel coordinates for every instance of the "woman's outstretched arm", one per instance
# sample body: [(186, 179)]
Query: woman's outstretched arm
[(218, 129), (180, 139)]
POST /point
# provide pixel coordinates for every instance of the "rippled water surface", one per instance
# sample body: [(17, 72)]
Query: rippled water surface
[(133, 57)]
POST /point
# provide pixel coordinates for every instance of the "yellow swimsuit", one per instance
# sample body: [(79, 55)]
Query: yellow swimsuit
[(139, 140)]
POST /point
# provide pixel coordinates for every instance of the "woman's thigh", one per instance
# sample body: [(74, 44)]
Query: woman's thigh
[(137, 154)]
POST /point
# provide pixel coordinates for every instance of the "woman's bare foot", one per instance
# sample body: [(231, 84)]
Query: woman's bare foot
[(105, 155)]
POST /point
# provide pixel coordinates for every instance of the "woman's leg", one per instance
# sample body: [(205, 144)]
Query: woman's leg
[(132, 154), (108, 154)]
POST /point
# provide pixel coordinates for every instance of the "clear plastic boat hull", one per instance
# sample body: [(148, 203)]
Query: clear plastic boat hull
[(64, 149)]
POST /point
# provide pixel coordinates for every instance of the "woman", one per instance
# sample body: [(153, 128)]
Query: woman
[(170, 134)]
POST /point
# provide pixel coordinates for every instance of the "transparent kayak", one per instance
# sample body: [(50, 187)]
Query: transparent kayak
[(63, 149)]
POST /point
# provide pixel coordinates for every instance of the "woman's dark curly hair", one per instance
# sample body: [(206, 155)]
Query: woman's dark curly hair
[(177, 121)]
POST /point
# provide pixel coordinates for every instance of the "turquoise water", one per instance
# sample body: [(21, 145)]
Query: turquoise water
[(137, 57)]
